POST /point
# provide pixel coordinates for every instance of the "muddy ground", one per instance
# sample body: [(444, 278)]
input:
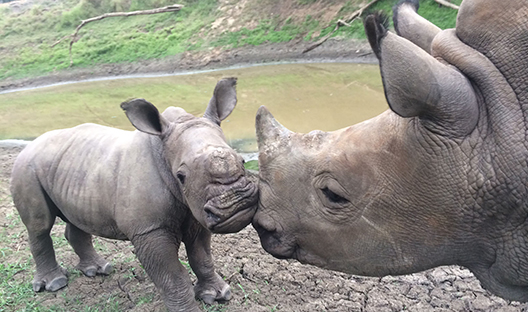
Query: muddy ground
[(259, 282)]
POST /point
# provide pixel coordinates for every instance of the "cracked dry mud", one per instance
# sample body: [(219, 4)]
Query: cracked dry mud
[(259, 282)]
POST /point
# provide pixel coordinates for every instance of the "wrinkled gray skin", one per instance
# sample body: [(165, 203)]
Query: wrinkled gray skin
[(439, 179), (173, 181)]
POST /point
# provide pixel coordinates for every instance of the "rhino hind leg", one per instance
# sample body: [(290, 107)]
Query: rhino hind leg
[(50, 275), (210, 286), (38, 212), (90, 262)]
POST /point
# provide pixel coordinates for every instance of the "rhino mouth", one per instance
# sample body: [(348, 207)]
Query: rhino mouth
[(274, 243), (233, 208)]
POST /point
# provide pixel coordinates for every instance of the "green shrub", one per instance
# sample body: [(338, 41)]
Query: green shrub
[(85, 9), (25, 39)]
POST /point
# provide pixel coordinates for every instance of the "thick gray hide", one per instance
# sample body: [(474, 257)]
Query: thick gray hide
[(439, 179), (173, 180)]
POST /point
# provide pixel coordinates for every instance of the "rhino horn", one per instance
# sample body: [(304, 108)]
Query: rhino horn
[(418, 85), (270, 133), (408, 24), (223, 101)]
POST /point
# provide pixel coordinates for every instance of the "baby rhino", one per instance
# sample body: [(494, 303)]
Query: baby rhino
[(175, 180)]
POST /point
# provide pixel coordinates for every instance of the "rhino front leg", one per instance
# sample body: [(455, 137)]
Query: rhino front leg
[(158, 253), (210, 286), (90, 262)]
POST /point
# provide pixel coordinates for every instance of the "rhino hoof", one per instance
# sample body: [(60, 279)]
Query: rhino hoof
[(106, 269), (208, 297), (212, 295), (94, 269), (58, 277), (57, 283), (225, 294), (38, 286), (90, 271)]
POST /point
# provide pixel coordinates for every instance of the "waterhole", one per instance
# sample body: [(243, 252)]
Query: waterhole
[(302, 97)]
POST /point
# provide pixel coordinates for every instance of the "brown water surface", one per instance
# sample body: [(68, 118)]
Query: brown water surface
[(303, 97)]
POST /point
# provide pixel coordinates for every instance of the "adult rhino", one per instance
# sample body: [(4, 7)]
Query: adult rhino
[(439, 179), (174, 180)]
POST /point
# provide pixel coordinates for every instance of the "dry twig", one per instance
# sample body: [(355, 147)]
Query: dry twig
[(169, 8), (355, 15), (447, 4)]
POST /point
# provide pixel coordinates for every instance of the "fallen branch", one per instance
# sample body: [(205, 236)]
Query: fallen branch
[(355, 15), (447, 4), (59, 41), (169, 8)]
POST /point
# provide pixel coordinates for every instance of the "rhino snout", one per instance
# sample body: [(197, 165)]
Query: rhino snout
[(230, 208), (272, 239)]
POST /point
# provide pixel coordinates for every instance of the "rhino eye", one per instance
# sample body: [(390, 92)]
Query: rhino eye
[(333, 197), (181, 177)]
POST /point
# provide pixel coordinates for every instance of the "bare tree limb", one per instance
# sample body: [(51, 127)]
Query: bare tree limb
[(169, 8), (60, 40), (447, 4), (355, 15)]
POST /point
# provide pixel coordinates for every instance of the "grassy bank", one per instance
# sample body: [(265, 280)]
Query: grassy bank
[(27, 33)]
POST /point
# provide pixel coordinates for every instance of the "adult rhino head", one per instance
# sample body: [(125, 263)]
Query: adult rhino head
[(439, 179), (210, 175)]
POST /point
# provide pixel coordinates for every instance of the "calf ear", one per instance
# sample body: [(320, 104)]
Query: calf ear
[(418, 85), (223, 101), (144, 116), (411, 26)]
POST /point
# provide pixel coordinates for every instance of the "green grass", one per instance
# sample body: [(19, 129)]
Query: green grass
[(112, 40), (26, 39), (267, 31), (15, 291), (9, 234), (251, 165)]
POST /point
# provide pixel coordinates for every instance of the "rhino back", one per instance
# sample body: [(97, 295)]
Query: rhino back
[(91, 174)]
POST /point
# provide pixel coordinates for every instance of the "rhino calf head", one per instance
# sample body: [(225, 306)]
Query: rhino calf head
[(198, 163), (438, 179)]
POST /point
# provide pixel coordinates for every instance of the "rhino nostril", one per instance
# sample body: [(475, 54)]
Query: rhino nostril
[(264, 225), (181, 177), (211, 216)]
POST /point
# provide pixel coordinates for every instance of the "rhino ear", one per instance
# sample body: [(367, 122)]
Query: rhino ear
[(376, 26), (270, 133), (144, 116), (223, 101), (411, 26), (418, 85)]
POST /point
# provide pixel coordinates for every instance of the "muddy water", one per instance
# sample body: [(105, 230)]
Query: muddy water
[(303, 97)]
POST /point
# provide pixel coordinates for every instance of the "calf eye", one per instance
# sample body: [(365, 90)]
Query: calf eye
[(333, 197), (181, 177)]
